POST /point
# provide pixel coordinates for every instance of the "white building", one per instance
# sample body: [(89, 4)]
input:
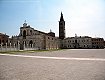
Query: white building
[(77, 42)]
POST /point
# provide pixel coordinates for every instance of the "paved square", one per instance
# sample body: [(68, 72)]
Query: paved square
[(80, 64)]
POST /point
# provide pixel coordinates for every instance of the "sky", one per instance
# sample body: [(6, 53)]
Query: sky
[(82, 17)]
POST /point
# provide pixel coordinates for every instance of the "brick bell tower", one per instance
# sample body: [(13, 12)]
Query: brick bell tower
[(61, 27)]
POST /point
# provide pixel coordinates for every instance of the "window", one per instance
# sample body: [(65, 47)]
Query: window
[(31, 43), (68, 45), (24, 34), (30, 32), (75, 41)]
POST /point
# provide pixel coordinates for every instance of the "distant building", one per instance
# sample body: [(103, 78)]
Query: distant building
[(97, 43), (77, 42), (4, 39)]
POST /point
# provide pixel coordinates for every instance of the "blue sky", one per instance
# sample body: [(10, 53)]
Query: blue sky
[(83, 17)]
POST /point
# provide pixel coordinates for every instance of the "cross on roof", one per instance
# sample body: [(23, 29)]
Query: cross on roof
[(25, 21)]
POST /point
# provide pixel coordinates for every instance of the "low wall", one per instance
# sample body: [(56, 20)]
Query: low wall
[(16, 49)]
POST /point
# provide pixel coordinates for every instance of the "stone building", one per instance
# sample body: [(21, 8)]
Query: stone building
[(4, 39), (31, 38)]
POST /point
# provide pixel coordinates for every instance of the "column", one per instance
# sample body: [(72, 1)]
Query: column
[(10, 46), (32, 46), (1, 46), (27, 46), (18, 46), (14, 46), (24, 45), (6, 47)]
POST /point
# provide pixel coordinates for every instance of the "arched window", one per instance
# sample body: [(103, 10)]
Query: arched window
[(24, 34), (75, 41), (30, 43)]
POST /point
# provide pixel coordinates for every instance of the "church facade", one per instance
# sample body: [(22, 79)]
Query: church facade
[(30, 38)]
